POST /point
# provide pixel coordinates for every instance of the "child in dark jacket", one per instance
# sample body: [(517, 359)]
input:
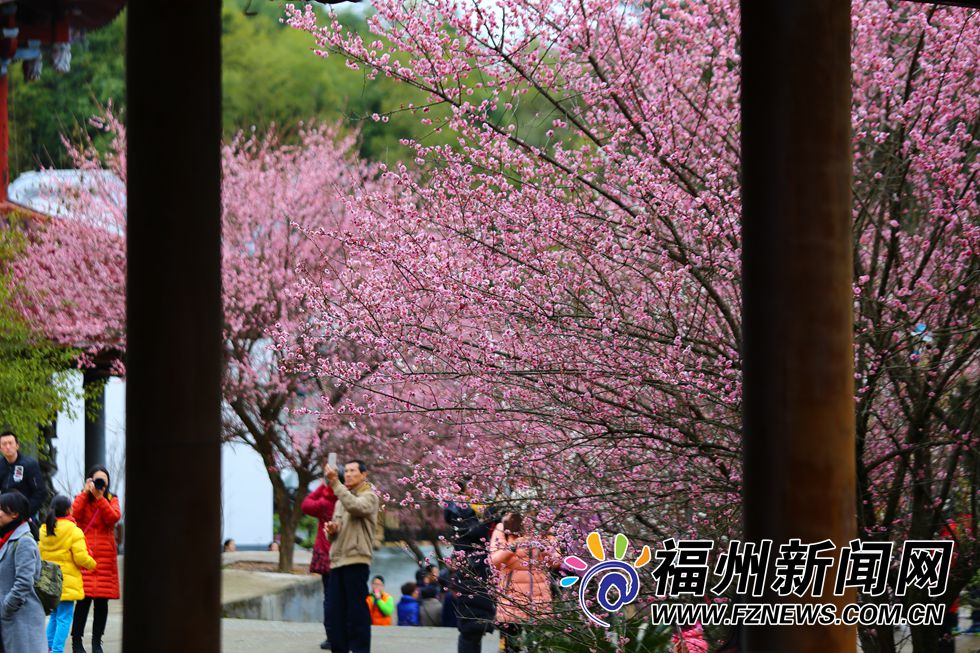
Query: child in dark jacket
[(408, 606)]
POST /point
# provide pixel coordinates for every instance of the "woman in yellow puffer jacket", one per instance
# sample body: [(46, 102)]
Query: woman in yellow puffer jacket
[(63, 542)]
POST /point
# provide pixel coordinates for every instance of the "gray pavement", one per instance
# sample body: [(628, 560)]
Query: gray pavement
[(253, 636), (247, 636)]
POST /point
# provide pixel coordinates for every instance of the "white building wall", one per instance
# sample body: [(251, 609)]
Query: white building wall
[(246, 494), (246, 497), (70, 443)]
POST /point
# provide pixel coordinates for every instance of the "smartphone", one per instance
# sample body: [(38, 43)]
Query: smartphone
[(332, 459)]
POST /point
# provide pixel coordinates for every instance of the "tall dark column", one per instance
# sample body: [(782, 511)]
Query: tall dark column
[(797, 300), (173, 463), (47, 458), (94, 383)]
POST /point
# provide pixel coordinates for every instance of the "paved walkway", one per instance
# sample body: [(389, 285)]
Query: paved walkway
[(253, 636), (246, 636), (967, 644)]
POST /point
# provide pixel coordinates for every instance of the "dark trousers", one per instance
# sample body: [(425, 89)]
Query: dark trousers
[(326, 606), (349, 625), (470, 642), (98, 621)]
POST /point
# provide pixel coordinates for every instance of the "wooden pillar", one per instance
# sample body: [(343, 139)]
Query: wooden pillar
[(93, 381), (797, 299), (173, 463)]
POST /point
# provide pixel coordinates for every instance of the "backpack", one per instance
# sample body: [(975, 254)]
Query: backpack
[(49, 585)]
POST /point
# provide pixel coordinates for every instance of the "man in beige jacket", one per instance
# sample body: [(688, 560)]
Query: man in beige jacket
[(351, 535)]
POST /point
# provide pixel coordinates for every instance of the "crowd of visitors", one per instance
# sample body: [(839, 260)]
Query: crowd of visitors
[(499, 579), (473, 599), (77, 538)]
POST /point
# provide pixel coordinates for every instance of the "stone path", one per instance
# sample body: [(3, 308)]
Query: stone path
[(247, 636), (253, 636)]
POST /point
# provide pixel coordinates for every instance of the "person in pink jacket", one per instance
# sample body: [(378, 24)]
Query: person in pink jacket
[(523, 583), (320, 504)]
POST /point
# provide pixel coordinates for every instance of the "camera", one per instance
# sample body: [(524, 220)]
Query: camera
[(99, 484)]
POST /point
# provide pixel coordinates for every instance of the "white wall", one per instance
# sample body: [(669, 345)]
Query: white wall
[(70, 443), (246, 497), (246, 494)]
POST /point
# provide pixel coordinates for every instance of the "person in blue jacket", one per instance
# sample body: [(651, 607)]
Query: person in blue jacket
[(408, 606)]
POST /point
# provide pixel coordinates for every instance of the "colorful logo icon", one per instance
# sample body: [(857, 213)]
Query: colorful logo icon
[(611, 574)]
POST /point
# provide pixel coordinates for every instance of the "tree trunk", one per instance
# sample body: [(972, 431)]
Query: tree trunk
[(289, 513), (440, 558), (287, 541), (47, 458), (288, 506), (416, 551)]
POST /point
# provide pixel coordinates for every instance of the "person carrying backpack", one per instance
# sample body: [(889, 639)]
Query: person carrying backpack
[(63, 543), (21, 612)]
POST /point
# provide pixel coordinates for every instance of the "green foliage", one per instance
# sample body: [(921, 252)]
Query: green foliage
[(270, 75), (56, 104), (305, 530), (34, 384)]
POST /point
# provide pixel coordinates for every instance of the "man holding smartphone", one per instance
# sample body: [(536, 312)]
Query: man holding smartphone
[(351, 535)]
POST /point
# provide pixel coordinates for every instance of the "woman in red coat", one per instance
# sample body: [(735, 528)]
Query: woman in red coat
[(96, 511), (320, 503)]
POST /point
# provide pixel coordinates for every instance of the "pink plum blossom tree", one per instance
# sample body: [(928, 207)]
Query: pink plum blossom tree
[(568, 306), (274, 197)]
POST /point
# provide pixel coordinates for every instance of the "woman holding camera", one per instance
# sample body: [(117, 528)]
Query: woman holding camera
[(96, 511)]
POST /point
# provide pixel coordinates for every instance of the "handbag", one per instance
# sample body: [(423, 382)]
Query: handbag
[(48, 585)]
